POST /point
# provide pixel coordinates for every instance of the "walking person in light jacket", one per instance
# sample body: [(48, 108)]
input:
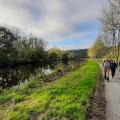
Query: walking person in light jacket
[(106, 69)]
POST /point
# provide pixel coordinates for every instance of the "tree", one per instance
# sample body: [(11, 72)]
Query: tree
[(15, 47), (53, 56), (31, 48), (111, 26), (56, 50), (7, 44), (97, 50)]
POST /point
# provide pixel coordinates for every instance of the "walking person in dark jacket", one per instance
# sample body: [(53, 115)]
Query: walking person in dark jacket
[(113, 66)]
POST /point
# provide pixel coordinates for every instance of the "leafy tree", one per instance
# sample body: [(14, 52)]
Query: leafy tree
[(31, 48), (7, 44), (14, 47), (53, 56), (57, 51), (98, 49)]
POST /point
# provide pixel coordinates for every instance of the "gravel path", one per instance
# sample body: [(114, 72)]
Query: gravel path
[(112, 93)]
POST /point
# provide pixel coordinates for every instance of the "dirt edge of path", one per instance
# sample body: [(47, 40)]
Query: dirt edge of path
[(97, 103)]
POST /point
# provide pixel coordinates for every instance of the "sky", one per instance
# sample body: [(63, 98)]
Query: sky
[(66, 24)]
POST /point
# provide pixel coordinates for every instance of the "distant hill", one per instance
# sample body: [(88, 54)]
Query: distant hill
[(80, 53)]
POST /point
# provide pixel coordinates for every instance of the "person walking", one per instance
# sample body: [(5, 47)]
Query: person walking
[(106, 69), (113, 67)]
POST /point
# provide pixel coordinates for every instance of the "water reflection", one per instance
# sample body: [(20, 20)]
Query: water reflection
[(10, 76)]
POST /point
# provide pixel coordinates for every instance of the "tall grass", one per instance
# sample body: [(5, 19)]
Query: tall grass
[(63, 99)]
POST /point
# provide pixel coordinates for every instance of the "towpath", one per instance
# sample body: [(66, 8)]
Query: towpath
[(112, 93)]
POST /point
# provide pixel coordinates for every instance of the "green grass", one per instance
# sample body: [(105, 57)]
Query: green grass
[(64, 99)]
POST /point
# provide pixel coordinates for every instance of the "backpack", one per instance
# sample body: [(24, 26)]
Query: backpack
[(106, 65)]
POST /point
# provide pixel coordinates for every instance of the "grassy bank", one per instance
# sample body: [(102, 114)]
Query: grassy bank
[(64, 99)]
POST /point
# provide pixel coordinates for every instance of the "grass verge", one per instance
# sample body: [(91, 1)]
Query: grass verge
[(63, 99)]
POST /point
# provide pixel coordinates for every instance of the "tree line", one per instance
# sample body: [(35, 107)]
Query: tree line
[(107, 43), (15, 47), (18, 48), (80, 53)]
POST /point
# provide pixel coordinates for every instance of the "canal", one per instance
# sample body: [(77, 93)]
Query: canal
[(11, 76)]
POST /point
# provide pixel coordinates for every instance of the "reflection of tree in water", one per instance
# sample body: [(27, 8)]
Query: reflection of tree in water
[(11, 76), (65, 62), (52, 65)]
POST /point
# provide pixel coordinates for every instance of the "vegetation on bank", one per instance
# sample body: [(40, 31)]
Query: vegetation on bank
[(16, 48), (66, 98)]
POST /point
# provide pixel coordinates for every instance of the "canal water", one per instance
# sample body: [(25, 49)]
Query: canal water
[(11, 76)]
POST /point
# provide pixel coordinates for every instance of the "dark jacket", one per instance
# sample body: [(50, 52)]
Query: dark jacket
[(113, 66)]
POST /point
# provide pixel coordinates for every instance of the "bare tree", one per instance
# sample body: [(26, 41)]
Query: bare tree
[(111, 26)]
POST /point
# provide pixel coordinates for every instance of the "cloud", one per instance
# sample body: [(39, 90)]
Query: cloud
[(53, 20), (69, 36), (13, 14)]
